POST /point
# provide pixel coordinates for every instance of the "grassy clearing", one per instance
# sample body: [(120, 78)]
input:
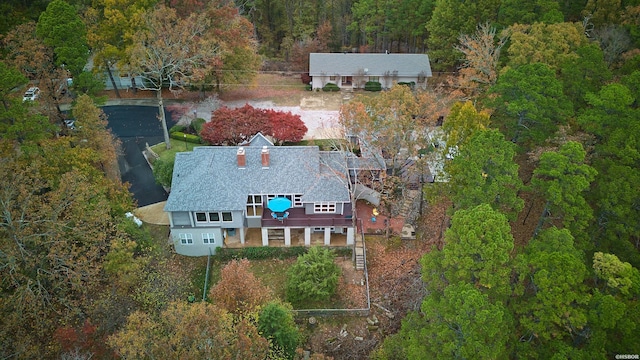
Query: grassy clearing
[(273, 274), (176, 147)]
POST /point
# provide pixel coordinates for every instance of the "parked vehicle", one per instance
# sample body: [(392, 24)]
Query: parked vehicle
[(31, 94)]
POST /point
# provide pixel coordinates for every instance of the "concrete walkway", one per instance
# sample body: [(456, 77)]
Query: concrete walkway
[(153, 214)]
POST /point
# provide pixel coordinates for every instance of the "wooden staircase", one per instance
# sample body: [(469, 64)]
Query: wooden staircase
[(359, 252)]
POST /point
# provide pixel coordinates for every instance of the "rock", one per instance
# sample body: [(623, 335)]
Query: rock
[(343, 331), (312, 321), (372, 328), (371, 322), (358, 338)]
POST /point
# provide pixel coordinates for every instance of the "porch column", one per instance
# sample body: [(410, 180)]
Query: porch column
[(327, 236), (242, 235), (265, 237), (350, 236), (287, 236), (307, 236)]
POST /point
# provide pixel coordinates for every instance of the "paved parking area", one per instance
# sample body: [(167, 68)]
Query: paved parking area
[(135, 126)]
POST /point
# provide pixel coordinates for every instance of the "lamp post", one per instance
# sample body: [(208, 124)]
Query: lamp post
[(185, 142)]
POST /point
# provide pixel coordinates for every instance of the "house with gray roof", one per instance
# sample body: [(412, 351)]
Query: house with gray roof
[(348, 70), (221, 194)]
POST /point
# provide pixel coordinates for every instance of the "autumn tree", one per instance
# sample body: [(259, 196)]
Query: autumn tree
[(238, 60), (171, 52), (388, 123), (484, 172), (112, 25), (313, 277), (189, 331), (234, 126), (550, 44), (285, 127), (91, 125), (481, 50), (238, 291), (463, 121)]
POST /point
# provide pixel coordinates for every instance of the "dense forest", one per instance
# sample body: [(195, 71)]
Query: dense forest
[(540, 101)]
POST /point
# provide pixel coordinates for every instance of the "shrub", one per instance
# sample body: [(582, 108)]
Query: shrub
[(275, 322), (163, 171), (372, 86), (410, 84), (178, 135), (260, 253), (314, 276), (197, 125), (177, 128), (331, 87)]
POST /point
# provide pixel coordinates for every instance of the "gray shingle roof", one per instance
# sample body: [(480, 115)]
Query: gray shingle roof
[(375, 64), (208, 178)]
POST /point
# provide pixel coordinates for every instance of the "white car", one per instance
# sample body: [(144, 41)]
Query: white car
[(31, 94)]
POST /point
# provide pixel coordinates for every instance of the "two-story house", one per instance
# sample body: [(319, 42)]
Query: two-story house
[(223, 192)]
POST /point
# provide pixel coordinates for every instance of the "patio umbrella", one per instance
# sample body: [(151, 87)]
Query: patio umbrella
[(279, 204)]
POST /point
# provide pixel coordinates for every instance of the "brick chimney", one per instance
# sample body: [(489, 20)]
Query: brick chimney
[(242, 158), (265, 157)]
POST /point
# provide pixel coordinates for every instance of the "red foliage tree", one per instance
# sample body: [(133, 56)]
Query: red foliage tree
[(286, 127), (234, 126), (84, 340), (239, 291)]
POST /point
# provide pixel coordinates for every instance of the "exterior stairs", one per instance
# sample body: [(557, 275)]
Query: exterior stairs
[(360, 253)]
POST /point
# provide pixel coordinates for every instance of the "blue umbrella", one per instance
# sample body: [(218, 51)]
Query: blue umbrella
[(279, 204)]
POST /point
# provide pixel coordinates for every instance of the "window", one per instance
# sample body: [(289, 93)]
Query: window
[(226, 216), (324, 207), (208, 239), (332, 78), (186, 239), (297, 200), (201, 217), (374, 78), (254, 205)]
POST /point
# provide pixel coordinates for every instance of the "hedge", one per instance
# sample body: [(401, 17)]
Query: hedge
[(178, 135), (197, 124), (177, 128), (411, 84), (259, 253), (331, 87), (269, 252), (372, 86)]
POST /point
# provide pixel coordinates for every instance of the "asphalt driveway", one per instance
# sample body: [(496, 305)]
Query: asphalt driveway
[(135, 126)]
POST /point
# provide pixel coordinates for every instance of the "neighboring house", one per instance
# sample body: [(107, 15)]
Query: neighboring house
[(221, 193), (349, 70)]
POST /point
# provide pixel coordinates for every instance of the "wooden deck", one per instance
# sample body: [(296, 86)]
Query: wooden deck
[(298, 218)]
